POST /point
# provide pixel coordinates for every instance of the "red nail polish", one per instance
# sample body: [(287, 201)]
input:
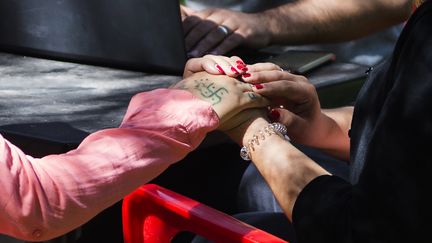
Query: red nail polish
[(259, 86), (240, 62), (245, 69), (220, 69), (246, 75), (274, 115), (234, 70), (240, 67)]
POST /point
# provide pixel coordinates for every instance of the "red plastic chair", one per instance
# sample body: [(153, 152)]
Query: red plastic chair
[(155, 214)]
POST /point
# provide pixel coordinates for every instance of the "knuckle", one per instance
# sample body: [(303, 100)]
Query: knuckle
[(235, 58), (208, 56), (279, 75), (309, 87)]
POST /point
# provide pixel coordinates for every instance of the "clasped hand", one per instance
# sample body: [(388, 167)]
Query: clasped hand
[(291, 99), (227, 95)]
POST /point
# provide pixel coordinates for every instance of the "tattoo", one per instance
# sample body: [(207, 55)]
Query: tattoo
[(252, 96), (210, 91)]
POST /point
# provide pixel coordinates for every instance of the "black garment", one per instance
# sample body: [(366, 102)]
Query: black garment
[(391, 138), (254, 194)]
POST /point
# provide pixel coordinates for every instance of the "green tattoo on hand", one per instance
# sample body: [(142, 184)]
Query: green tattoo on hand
[(210, 91)]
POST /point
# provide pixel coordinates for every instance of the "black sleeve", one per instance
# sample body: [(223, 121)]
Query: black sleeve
[(321, 212), (391, 200)]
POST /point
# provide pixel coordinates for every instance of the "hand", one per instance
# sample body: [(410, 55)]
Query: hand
[(218, 31), (231, 66), (302, 110), (227, 96)]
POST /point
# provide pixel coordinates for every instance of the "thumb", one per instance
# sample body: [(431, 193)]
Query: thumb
[(185, 11), (195, 65), (283, 116)]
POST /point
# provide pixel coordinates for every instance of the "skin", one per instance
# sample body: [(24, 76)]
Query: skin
[(227, 96), (306, 122), (286, 169), (301, 22)]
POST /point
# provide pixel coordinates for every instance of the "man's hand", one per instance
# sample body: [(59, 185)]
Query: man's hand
[(218, 31)]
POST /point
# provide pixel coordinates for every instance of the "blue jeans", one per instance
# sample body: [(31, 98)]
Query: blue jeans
[(255, 195)]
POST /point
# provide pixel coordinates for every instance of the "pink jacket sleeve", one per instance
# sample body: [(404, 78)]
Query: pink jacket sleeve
[(44, 198)]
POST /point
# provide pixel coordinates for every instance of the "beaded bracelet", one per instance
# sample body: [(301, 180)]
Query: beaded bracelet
[(270, 129)]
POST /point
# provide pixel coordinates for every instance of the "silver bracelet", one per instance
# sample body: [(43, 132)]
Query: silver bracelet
[(270, 129)]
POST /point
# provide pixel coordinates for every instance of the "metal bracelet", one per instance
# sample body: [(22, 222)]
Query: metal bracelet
[(270, 129)]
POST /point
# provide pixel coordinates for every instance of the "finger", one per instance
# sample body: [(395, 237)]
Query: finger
[(290, 91), (230, 42), (266, 66), (186, 11), (283, 116), (268, 76), (189, 23), (238, 63), (224, 63), (207, 43), (195, 65), (198, 32)]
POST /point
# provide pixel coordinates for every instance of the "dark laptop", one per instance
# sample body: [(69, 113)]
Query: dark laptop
[(144, 35)]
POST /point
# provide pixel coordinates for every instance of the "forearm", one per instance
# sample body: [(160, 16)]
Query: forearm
[(333, 136), (53, 195), (312, 21), (286, 169)]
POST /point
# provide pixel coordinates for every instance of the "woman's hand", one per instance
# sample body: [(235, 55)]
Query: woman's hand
[(301, 111), (227, 96), (217, 65)]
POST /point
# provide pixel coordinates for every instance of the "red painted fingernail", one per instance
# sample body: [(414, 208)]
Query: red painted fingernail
[(240, 67), (246, 75), (259, 86), (245, 69), (220, 69), (240, 62), (234, 70), (274, 115)]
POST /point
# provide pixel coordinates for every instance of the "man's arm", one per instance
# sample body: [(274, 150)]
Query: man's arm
[(315, 21), (301, 22)]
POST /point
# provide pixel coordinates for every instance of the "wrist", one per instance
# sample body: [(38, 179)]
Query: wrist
[(253, 128), (261, 137)]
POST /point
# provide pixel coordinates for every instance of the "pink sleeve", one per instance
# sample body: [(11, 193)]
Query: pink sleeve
[(44, 198)]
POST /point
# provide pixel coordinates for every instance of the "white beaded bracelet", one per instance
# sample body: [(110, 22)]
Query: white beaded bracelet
[(270, 129)]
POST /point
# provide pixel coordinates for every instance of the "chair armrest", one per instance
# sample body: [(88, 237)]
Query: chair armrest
[(155, 214)]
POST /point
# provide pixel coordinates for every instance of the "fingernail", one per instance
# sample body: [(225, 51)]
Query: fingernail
[(246, 75), (240, 62), (245, 69), (220, 69), (240, 67), (259, 86), (234, 70), (274, 115)]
